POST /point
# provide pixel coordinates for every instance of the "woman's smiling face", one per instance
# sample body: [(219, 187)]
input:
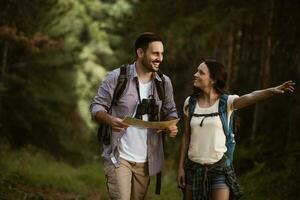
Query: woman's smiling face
[(202, 77)]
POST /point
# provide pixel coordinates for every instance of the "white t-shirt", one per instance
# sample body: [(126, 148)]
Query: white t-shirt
[(207, 143), (134, 142)]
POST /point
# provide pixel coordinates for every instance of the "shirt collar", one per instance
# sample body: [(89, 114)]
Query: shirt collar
[(133, 73)]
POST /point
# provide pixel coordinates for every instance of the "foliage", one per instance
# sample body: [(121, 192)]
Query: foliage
[(51, 68), (55, 53)]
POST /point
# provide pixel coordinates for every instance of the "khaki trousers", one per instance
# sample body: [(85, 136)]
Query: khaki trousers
[(129, 181)]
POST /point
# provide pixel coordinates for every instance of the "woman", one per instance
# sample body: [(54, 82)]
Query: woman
[(208, 137)]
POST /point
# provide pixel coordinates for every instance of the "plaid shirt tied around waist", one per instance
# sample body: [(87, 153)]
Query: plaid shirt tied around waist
[(199, 177)]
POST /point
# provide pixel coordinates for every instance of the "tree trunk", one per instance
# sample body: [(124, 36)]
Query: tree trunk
[(265, 72), (231, 52), (4, 60), (3, 68), (267, 64)]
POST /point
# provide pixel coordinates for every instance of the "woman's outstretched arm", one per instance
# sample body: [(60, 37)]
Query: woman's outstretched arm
[(259, 95)]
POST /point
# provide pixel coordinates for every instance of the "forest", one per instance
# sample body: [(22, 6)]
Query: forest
[(55, 53)]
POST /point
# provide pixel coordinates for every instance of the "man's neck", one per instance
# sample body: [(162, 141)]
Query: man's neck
[(143, 74)]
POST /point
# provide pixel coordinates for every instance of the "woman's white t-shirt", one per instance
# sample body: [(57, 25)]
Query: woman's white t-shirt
[(207, 142)]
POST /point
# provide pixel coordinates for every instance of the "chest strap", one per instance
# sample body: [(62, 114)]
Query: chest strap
[(205, 116)]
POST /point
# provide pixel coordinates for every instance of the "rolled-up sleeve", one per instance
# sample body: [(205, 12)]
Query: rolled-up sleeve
[(102, 100), (169, 106)]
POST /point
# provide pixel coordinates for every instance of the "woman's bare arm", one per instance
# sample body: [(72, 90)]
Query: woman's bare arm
[(259, 95)]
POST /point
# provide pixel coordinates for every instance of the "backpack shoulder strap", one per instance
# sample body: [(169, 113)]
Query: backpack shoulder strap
[(192, 104), (121, 85), (160, 86), (228, 130), (223, 112), (191, 108), (104, 131)]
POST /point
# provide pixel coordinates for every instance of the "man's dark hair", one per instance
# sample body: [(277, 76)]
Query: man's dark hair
[(144, 39)]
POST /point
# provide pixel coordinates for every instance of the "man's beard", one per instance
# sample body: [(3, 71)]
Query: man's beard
[(149, 67)]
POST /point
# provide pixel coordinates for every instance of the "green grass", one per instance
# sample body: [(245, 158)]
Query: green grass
[(261, 183), (37, 172), (30, 173)]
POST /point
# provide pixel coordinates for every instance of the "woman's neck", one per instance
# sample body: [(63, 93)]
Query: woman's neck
[(208, 97)]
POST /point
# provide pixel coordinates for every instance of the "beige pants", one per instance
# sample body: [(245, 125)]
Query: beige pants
[(129, 181)]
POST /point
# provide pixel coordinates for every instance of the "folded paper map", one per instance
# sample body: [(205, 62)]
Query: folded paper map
[(147, 124)]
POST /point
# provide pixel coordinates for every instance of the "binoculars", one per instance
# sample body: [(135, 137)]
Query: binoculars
[(148, 106)]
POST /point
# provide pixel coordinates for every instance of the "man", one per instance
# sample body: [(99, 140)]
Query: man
[(135, 154)]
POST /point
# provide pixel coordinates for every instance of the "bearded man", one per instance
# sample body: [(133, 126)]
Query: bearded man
[(134, 154)]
